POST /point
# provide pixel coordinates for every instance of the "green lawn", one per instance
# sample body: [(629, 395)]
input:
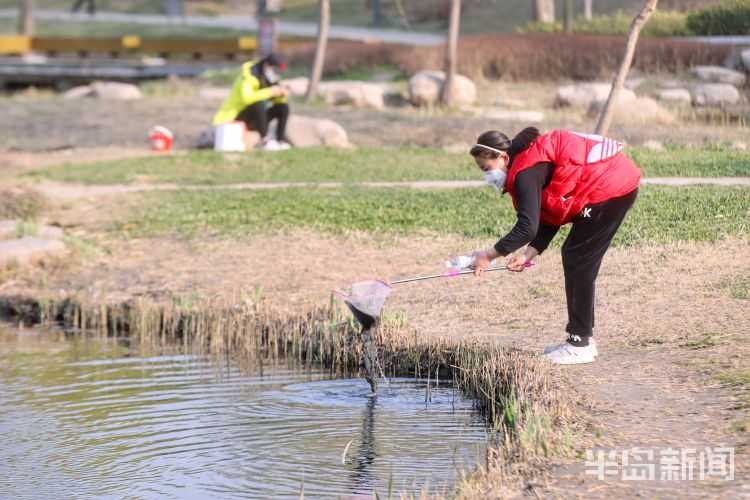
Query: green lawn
[(661, 214), (363, 164)]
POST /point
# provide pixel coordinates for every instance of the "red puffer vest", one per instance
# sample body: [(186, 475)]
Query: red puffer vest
[(588, 169)]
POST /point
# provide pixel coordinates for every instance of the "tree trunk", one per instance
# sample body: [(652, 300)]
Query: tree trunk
[(26, 17), (588, 9), (446, 92), (377, 14), (635, 29), (320, 50), (174, 8), (544, 11), (568, 15)]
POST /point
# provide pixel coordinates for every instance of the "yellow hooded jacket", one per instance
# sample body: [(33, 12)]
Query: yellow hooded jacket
[(246, 90)]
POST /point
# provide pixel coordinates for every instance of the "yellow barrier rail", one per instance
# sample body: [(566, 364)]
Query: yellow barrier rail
[(131, 45)]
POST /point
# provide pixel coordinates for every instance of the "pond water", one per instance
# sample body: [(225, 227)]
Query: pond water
[(94, 418)]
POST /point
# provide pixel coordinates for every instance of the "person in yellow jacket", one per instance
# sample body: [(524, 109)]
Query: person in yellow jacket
[(256, 99)]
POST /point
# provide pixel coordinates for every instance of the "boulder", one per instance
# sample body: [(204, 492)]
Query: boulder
[(297, 86), (582, 95), (214, 93), (715, 94), (515, 116), (116, 90), (717, 74), (354, 93), (78, 92), (424, 89), (28, 250), (746, 59), (653, 145), (11, 229), (637, 110), (305, 132), (675, 95)]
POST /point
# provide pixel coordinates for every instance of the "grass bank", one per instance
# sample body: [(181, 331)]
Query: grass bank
[(662, 214), (364, 164)]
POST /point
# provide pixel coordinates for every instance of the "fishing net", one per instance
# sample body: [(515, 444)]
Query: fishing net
[(366, 296)]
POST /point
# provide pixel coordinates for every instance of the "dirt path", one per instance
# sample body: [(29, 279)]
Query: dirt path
[(65, 191)]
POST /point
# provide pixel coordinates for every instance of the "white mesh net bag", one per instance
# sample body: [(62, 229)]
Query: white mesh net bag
[(366, 296)]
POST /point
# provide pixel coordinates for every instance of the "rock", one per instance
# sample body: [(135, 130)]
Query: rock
[(305, 132), (676, 94), (297, 86), (653, 145), (746, 59), (717, 74), (582, 95), (715, 94), (78, 92), (353, 93), (634, 83), (515, 116), (214, 93), (457, 148), (636, 110), (424, 89), (11, 229), (28, 250), (116, 90), (207, 138)]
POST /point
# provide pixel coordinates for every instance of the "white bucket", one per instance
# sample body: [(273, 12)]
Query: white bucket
[(229, 136)]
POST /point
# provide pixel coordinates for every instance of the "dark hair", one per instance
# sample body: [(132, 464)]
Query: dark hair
[(498, 140)]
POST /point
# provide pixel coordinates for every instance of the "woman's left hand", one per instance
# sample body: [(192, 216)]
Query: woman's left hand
[(483, 259)]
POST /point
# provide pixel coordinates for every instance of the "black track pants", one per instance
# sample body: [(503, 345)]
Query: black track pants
[(582, 254), (257, 117)]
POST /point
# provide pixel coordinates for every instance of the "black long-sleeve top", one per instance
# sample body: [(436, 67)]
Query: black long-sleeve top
[(529, 229)]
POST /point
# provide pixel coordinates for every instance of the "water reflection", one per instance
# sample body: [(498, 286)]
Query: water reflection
[(97, 418)]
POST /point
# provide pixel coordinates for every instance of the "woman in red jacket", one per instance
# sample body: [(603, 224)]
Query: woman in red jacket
[(555, 179)]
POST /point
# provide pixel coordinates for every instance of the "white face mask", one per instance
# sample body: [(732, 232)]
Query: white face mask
[(496, 178), (271, 75)]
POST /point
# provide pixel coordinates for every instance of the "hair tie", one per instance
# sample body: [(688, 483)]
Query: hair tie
[(492, 149)]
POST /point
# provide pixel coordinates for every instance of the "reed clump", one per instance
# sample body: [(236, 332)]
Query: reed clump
[(532, 413)]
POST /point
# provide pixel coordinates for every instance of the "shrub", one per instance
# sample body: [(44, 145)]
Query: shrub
[(20, 202), (554, 57), (661, 23), (728, 17)]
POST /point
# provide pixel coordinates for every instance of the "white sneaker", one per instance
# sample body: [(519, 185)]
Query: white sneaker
[(591, 346), (568, 354), (274, 145), (284, 146)]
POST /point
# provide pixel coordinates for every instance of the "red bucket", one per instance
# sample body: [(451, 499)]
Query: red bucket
[(161, 138)]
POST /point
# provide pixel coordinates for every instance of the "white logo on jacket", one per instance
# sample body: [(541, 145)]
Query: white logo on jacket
[(587, 212), (606, 148)]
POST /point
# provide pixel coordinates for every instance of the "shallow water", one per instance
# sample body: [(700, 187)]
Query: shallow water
[(89, 418)]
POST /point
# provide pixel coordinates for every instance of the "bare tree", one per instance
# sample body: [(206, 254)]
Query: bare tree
[(320, 50), (377, 14), (26, 17), (635, 30), (588, 9), (544, 11), (446, 92), (568, 15)]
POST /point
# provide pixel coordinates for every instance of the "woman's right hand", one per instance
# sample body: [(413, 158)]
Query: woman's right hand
[(517, 263), (279, 91)]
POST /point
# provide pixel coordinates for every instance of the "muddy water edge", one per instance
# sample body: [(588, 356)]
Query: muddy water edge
[(526, 402)]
